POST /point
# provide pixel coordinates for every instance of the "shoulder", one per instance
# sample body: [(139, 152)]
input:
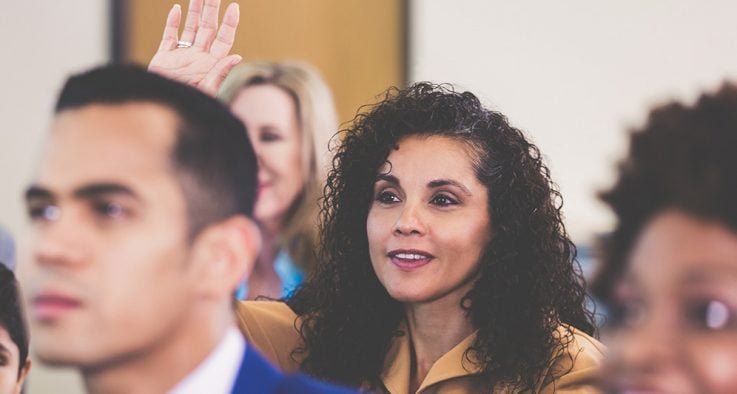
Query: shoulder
[(575, 366), (270, 326), (266, 312)]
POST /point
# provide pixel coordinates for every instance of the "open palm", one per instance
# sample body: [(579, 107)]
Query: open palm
[(200, 57)]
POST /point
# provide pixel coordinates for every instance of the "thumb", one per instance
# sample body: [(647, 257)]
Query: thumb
[(215, 77)]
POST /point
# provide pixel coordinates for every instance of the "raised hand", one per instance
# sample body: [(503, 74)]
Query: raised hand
[(200, 57)]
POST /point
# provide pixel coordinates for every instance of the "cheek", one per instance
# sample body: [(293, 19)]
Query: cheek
[(284, 163), (373, 230), (292, 166), (466, 238), (378, 230), (141, 271), (716, 362), (8, 376), (9, 369)]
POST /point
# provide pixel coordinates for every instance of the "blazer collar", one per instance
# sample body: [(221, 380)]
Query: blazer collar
[(398, 361)]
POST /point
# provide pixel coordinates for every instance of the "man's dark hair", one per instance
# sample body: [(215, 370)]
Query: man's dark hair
[(683, 159), (11, 315), (212, 156)]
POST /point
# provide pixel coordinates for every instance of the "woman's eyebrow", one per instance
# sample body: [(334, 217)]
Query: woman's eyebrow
[(448, 182), (387, 178), (718, 272)]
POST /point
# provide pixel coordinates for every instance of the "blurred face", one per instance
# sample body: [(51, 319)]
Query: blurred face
[(10, 380), (108, 276), (429, 221), (270, 115), (676, 314)]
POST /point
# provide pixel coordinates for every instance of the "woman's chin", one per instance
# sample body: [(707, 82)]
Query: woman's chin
[(409, 296)]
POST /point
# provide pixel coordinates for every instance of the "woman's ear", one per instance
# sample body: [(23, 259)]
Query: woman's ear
[(22, 375), (225, 254)]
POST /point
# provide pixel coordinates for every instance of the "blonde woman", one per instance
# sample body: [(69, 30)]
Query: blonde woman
[(289, 113)]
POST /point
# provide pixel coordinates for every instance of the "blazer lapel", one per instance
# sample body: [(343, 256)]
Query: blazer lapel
[(255, 375)]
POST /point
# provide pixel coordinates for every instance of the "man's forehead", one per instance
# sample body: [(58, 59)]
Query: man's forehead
[(147, 122), (103, 141)]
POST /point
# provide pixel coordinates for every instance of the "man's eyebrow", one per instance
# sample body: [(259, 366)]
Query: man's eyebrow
[(4, 349), (97, 189), (388, 178), (448, 182), (38, 192)]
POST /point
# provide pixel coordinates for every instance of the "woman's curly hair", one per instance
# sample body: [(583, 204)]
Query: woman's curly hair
[(529, 282), (682, 159)]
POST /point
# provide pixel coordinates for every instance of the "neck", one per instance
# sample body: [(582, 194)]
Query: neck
[(270, 230), (269, 247), (161, 366), (263, 280), (435, 329)]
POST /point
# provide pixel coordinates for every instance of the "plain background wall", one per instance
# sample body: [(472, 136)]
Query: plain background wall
[(42, 43), (575, 74), (357, 44)]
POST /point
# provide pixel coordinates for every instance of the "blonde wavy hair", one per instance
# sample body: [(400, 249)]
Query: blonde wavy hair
[(318, 123)]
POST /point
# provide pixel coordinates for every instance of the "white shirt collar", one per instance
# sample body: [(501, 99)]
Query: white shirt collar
[(217, 373)]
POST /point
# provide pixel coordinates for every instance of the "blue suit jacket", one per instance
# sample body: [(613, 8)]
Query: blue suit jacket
[(257, 376)]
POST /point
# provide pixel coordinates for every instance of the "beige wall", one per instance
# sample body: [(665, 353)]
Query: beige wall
[(43, 41), (358, 45), (575, 74)]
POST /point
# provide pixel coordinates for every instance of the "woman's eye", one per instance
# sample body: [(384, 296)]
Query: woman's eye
[(711, 315), (387, 197), (269, 136), (109, 210), (627, 314), (443, 200), (44, 213)]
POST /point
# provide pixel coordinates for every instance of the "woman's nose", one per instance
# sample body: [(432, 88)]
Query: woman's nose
[(410, 220)]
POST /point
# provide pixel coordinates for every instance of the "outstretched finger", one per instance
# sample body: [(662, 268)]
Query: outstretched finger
[(226, 35), (171, 30), (215, 77), (208, 25), (192, 24)]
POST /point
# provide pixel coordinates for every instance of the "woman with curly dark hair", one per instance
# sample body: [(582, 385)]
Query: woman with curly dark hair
[(445, 265), (670, 269)]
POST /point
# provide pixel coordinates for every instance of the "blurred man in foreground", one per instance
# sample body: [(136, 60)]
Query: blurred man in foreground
[(141, 232)]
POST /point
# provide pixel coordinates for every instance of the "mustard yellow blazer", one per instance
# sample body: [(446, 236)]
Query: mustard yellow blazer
[(270, 327)]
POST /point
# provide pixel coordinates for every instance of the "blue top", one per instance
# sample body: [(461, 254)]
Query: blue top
[(290, 275)]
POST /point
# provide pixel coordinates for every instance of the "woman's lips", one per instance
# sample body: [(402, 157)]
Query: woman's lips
[(409, 259), (50, 306)]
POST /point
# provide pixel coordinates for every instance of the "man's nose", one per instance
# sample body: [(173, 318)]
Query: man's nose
[(59, 242)]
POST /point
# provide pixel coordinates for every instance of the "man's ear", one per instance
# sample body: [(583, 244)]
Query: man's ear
[(224, 254)]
